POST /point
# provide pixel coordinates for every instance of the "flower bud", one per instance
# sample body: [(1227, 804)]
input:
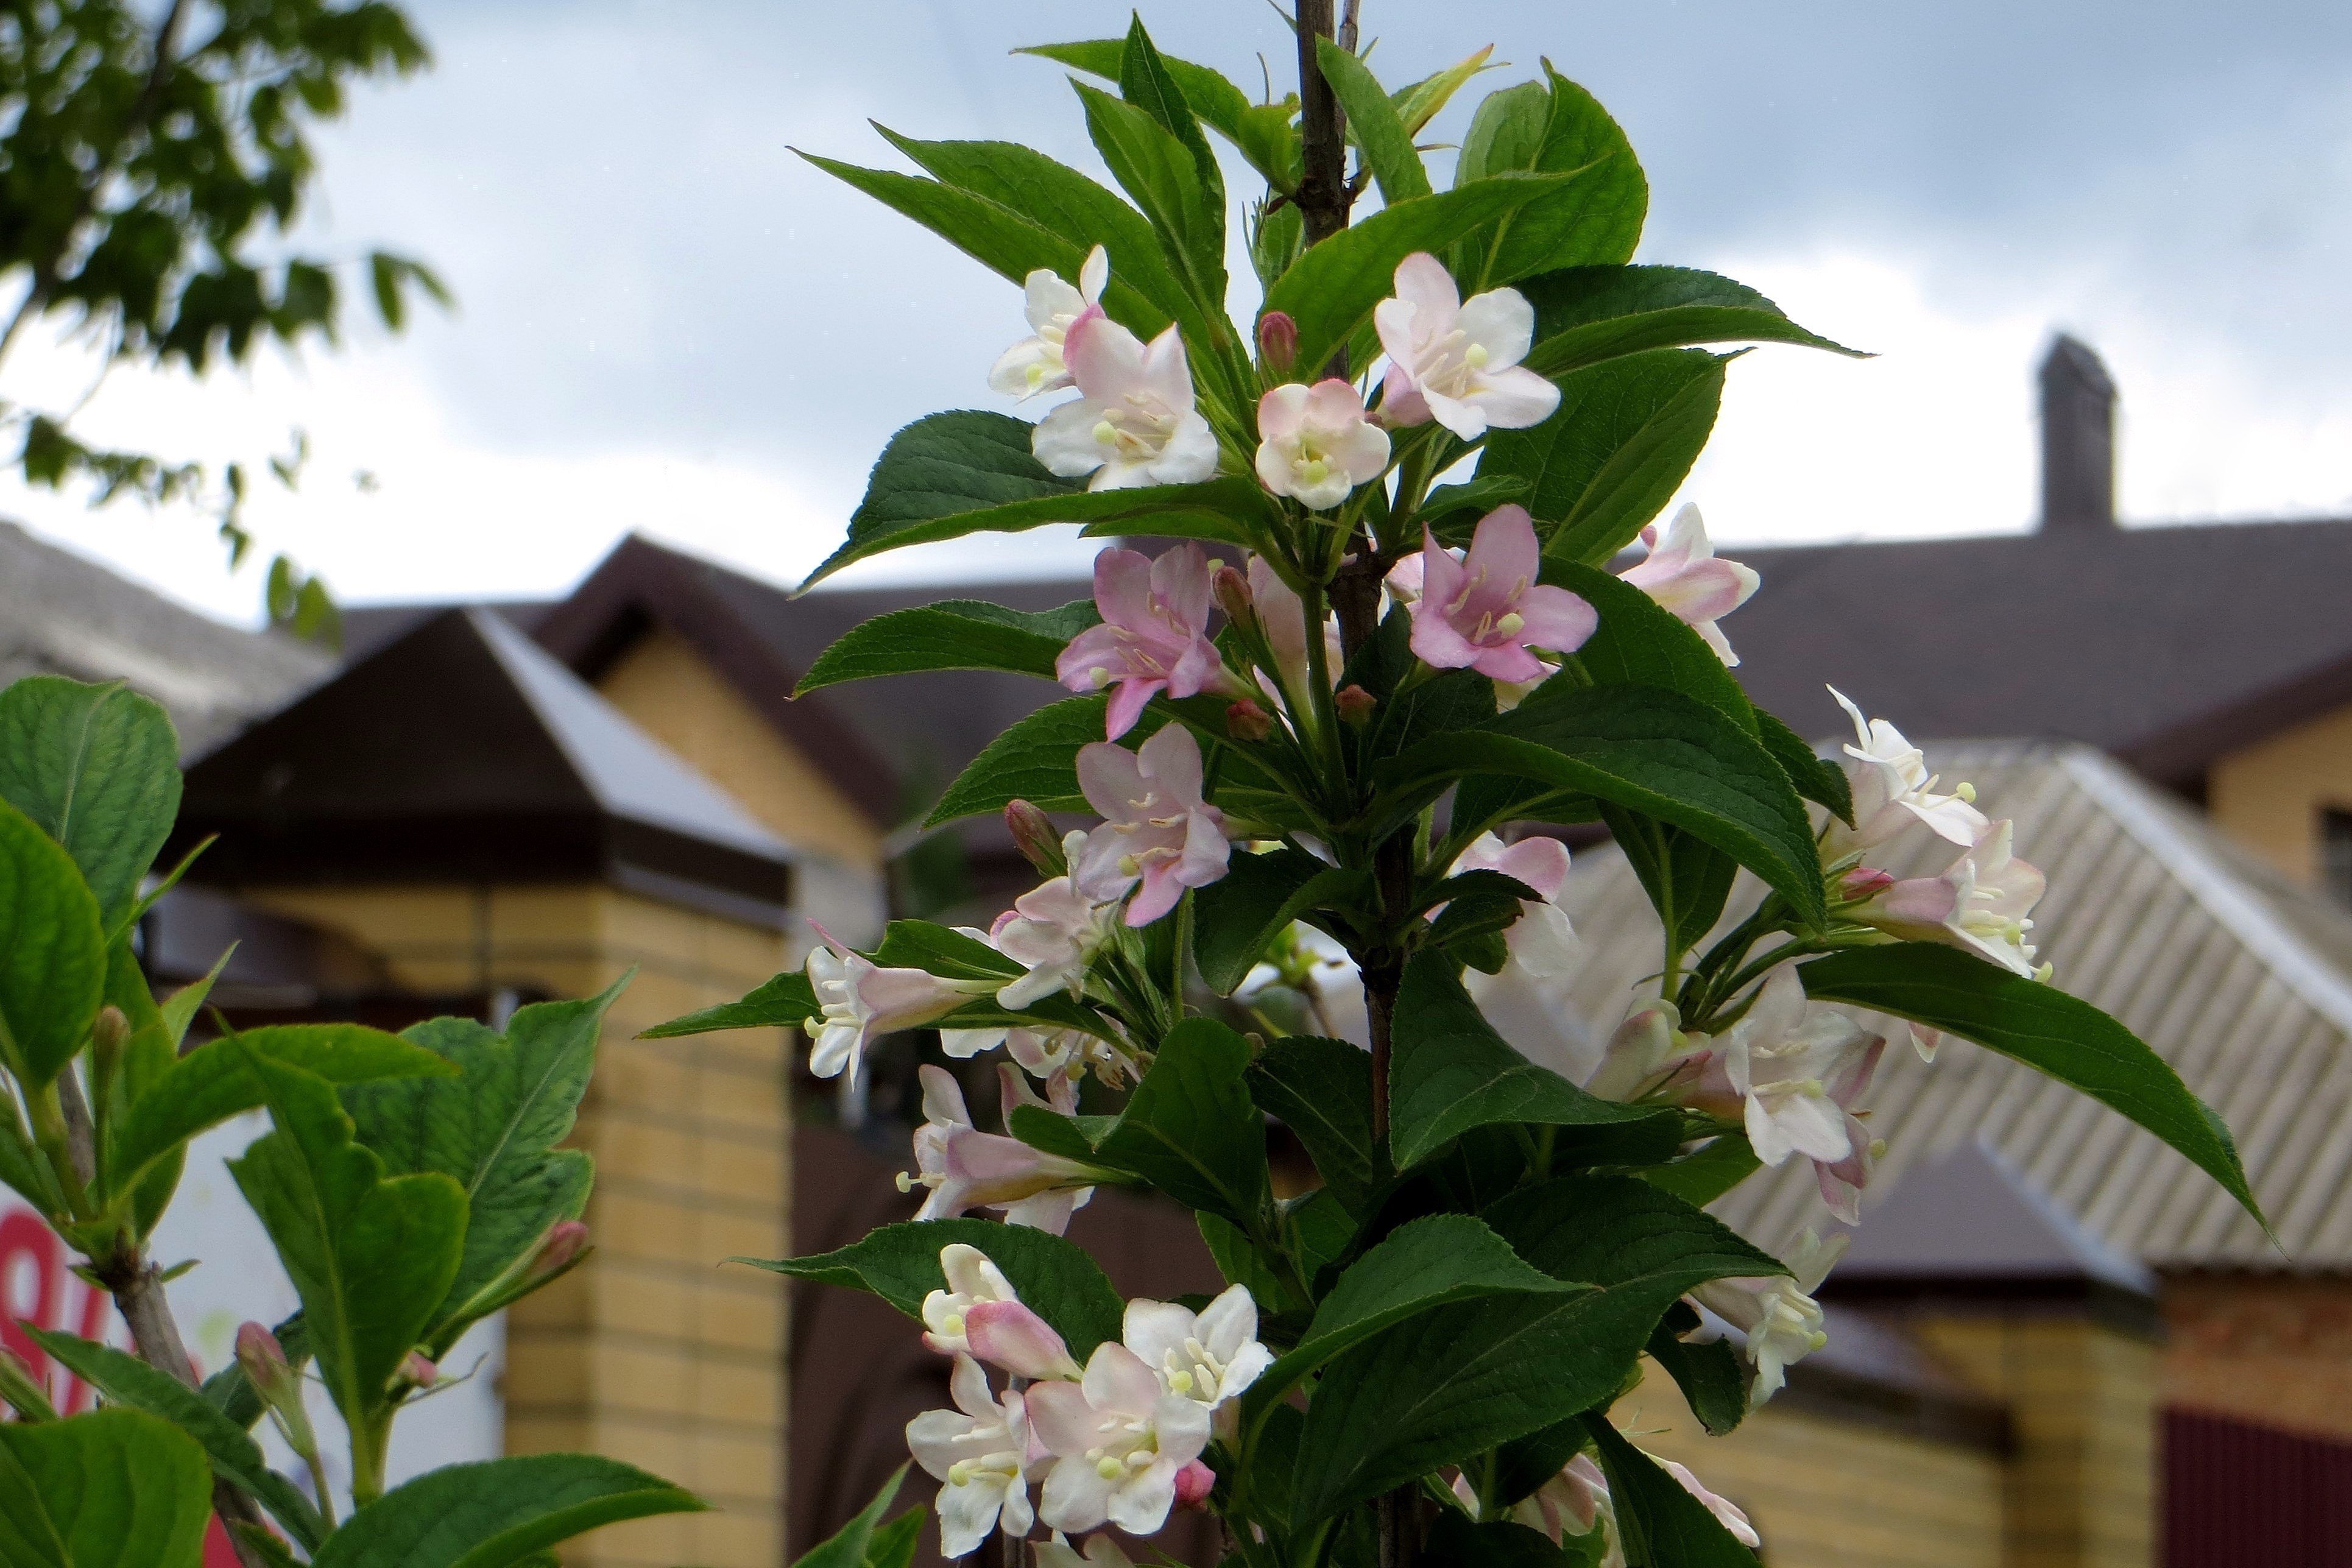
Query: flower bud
[(1354, 704), (22, 1392), (563, 1245), (1231, 592), (1033, 835), (1864, 882), (417, 1370), (108, 1031), (1246, 721), (262, 1360), (1019, 1341), (1278, 340), (1194, 1484)]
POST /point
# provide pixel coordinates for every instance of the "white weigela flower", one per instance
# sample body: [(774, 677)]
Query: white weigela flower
[(859, 1001), (1892, 789), (1458, 362), (1799, 1069), (1054, 932), (965, 1168), (980, 1452), (1777, 1312), (1980, 904), (971, 1278), (1683, 574), (1119, 1440), (1034, 364), (1133, 423), (1210, 1357), (1650, 1054), (1315, 444), (1540, 941), (1728, 1513)]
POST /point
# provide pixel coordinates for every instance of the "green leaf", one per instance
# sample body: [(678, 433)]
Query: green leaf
[(52, 953), (1421, 1265), (1480, 906), (853, 1545), (1699, 1178), (1238, 1259), (942, 950), (1387, 145), (1640, 642), (1688, 879), (1453, 512), (782, 1002), (1714, 1383), (955, 634), (1585, 315), (491, 1513), (492, 1129), (1255, 902), (1549, 127), (1322, 1091), (1262, 132), (22, 1168), (1659, 1524), (1652, 750), (1190, 1129), (98, 769), (2040, 1026), (1614, 1230), (1821, 782), (1451, 1072), (118, 1489), (969, 471), (211, 1083), (1161, 172), (1642, 473), (900, 1263), (1146, 84), (1331, 291), (1602, 410), (894, 1545), (1035, 760), (234, 1457), (1456, 1542), (370, 1256)]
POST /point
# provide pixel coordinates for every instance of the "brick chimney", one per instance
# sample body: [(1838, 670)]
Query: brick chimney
[(2078, 438)]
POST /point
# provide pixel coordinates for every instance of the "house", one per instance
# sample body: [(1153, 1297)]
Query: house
[(2050, 1335)]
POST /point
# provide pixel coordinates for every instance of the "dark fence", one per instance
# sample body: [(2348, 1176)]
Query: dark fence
[(2237, 1495)]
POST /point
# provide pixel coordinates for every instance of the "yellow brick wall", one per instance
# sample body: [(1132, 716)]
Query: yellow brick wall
[(2269, 796), (2273, 1351), (2083, 1397), (653, 1352), (667, 691), (1831, 1493)]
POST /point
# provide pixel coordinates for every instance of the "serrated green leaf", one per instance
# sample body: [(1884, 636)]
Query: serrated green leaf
[(1451, 1072), (900, 1263), (1548, 127), (1255, 902), (782, 1002), (1190, 1130), (489, 1513), (1640, 642), (233, 1455), (2040, 1026), (117, 1488), (96, 767), (1612, 1230), (370, 1256), (1823, 783), (1161, 173), (52, 953), (1659, 1524), (1714, 1169), (1372, 121), (955, 634), (1585, 315), (942, 950), (1708, 1372), (1262, 132), (1322, 1091), (1036, 760), (1601, 409), (492, 1129), (210, 1084), (1643, 472)]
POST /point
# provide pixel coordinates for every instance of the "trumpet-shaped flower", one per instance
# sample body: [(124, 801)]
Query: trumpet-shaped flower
[(1650, 1055), (1683, 574), (1799, 1067), (1540, 941), (1133, 422), (1054, 932), (966, 1169), (1892, 789), (1777, 1312), (1157, 829), (980, 1453), (859, 1001), (1009, 1335), (1315, 444), (1485, 611), (1458, 362), (1211, 1356), (1034, 364), (1572, 1503), (1119, 1439), (971, 1278), (1980, 903), (1283, 617), (1153, 637)]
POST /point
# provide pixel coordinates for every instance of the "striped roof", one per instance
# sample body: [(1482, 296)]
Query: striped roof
[(2241, 980)]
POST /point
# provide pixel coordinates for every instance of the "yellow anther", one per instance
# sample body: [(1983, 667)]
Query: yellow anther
[(1108, 1468), (1966, 792), (1036, 374), (1128, 866), (2045, 972), (1180, 1382), (906, 1183)]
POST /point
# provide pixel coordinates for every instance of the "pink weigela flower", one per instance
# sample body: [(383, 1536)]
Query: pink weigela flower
[(1485, 611), (1154, 634), (1458, 362), (1157, 829), (1133, 423)]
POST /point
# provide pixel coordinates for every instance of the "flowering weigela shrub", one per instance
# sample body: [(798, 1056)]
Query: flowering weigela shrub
[(1394, 633)]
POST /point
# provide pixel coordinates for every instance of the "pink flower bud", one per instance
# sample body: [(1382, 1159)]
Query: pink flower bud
[(1033, 835), (1231, 592), (565, 1243), (1278, 340), (419, 1371), (1354, 704), (1018, 1339), (1193, 1483), (263, 1359), (1864, 882), (1246, 721)]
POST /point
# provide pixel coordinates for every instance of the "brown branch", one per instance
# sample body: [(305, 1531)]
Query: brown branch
[(1322, 194)]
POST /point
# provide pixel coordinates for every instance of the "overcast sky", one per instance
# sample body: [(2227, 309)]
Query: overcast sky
[(669, 323)]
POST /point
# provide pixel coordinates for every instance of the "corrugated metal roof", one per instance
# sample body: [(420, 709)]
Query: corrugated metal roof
[(2242, 981)]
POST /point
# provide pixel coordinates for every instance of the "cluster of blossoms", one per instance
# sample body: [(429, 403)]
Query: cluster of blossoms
[(1118, 1441)]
